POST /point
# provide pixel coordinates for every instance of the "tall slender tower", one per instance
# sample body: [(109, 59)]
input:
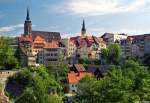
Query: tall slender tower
[(27, 24), (83, 30)]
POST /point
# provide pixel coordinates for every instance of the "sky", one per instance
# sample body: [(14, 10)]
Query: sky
[(65, 16)]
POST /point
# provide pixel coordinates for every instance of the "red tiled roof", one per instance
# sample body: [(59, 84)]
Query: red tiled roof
[(39, 38), (53, 44), (80, 41), (74, 78), (27, 38), (38, 42)]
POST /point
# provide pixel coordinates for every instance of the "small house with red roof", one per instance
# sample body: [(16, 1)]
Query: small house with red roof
[(74, 78)]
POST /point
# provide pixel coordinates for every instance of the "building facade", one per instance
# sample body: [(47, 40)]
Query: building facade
[(112, 38), (34, 46)]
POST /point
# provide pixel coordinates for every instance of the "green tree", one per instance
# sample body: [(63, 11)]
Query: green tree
[(7, 58), (59, 72), (4, 40), (126, 84), (34, 85), (112, 54)]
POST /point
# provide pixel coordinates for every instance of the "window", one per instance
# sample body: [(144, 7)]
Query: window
[(51, 49), (55, 54), (47, 54), (51, 59), (73, 90)]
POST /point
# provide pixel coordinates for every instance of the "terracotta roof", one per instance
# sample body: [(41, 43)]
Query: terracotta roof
[(39, 38), (27, 38), (79, 67), (38, 42), (79, 41), (53, 44), (74, 78)]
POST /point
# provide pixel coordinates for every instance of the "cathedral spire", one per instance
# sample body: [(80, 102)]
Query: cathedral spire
[(27, 24), (83, 30), (28, 16), (83, 26)]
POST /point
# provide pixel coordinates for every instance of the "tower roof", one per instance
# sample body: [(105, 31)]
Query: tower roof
[(28, 15), (83, 26)]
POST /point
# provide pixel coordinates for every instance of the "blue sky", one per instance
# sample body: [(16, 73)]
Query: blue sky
[(65, 16)]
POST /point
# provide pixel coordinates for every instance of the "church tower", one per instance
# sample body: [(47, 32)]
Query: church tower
[(27, 24), (83, 30)]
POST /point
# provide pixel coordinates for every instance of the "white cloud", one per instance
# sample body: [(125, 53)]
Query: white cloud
[(99, 7), (11, 28)]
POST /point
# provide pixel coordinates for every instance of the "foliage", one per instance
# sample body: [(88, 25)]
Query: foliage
[(59, 72), (147, 59), (61, 56), (4, 40), (126, 84), (7, 58), (112, 54), (36, 86)]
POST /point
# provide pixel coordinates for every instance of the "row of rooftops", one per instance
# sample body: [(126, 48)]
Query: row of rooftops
[(87, 41), (47, 36), (132, 38), (52, 39), (41, 39), (136, 38)]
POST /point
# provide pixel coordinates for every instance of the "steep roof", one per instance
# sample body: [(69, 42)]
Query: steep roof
[(48, 36), (52, 44), (74, 78), (86, 42), (27, 38), (39, 38)]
